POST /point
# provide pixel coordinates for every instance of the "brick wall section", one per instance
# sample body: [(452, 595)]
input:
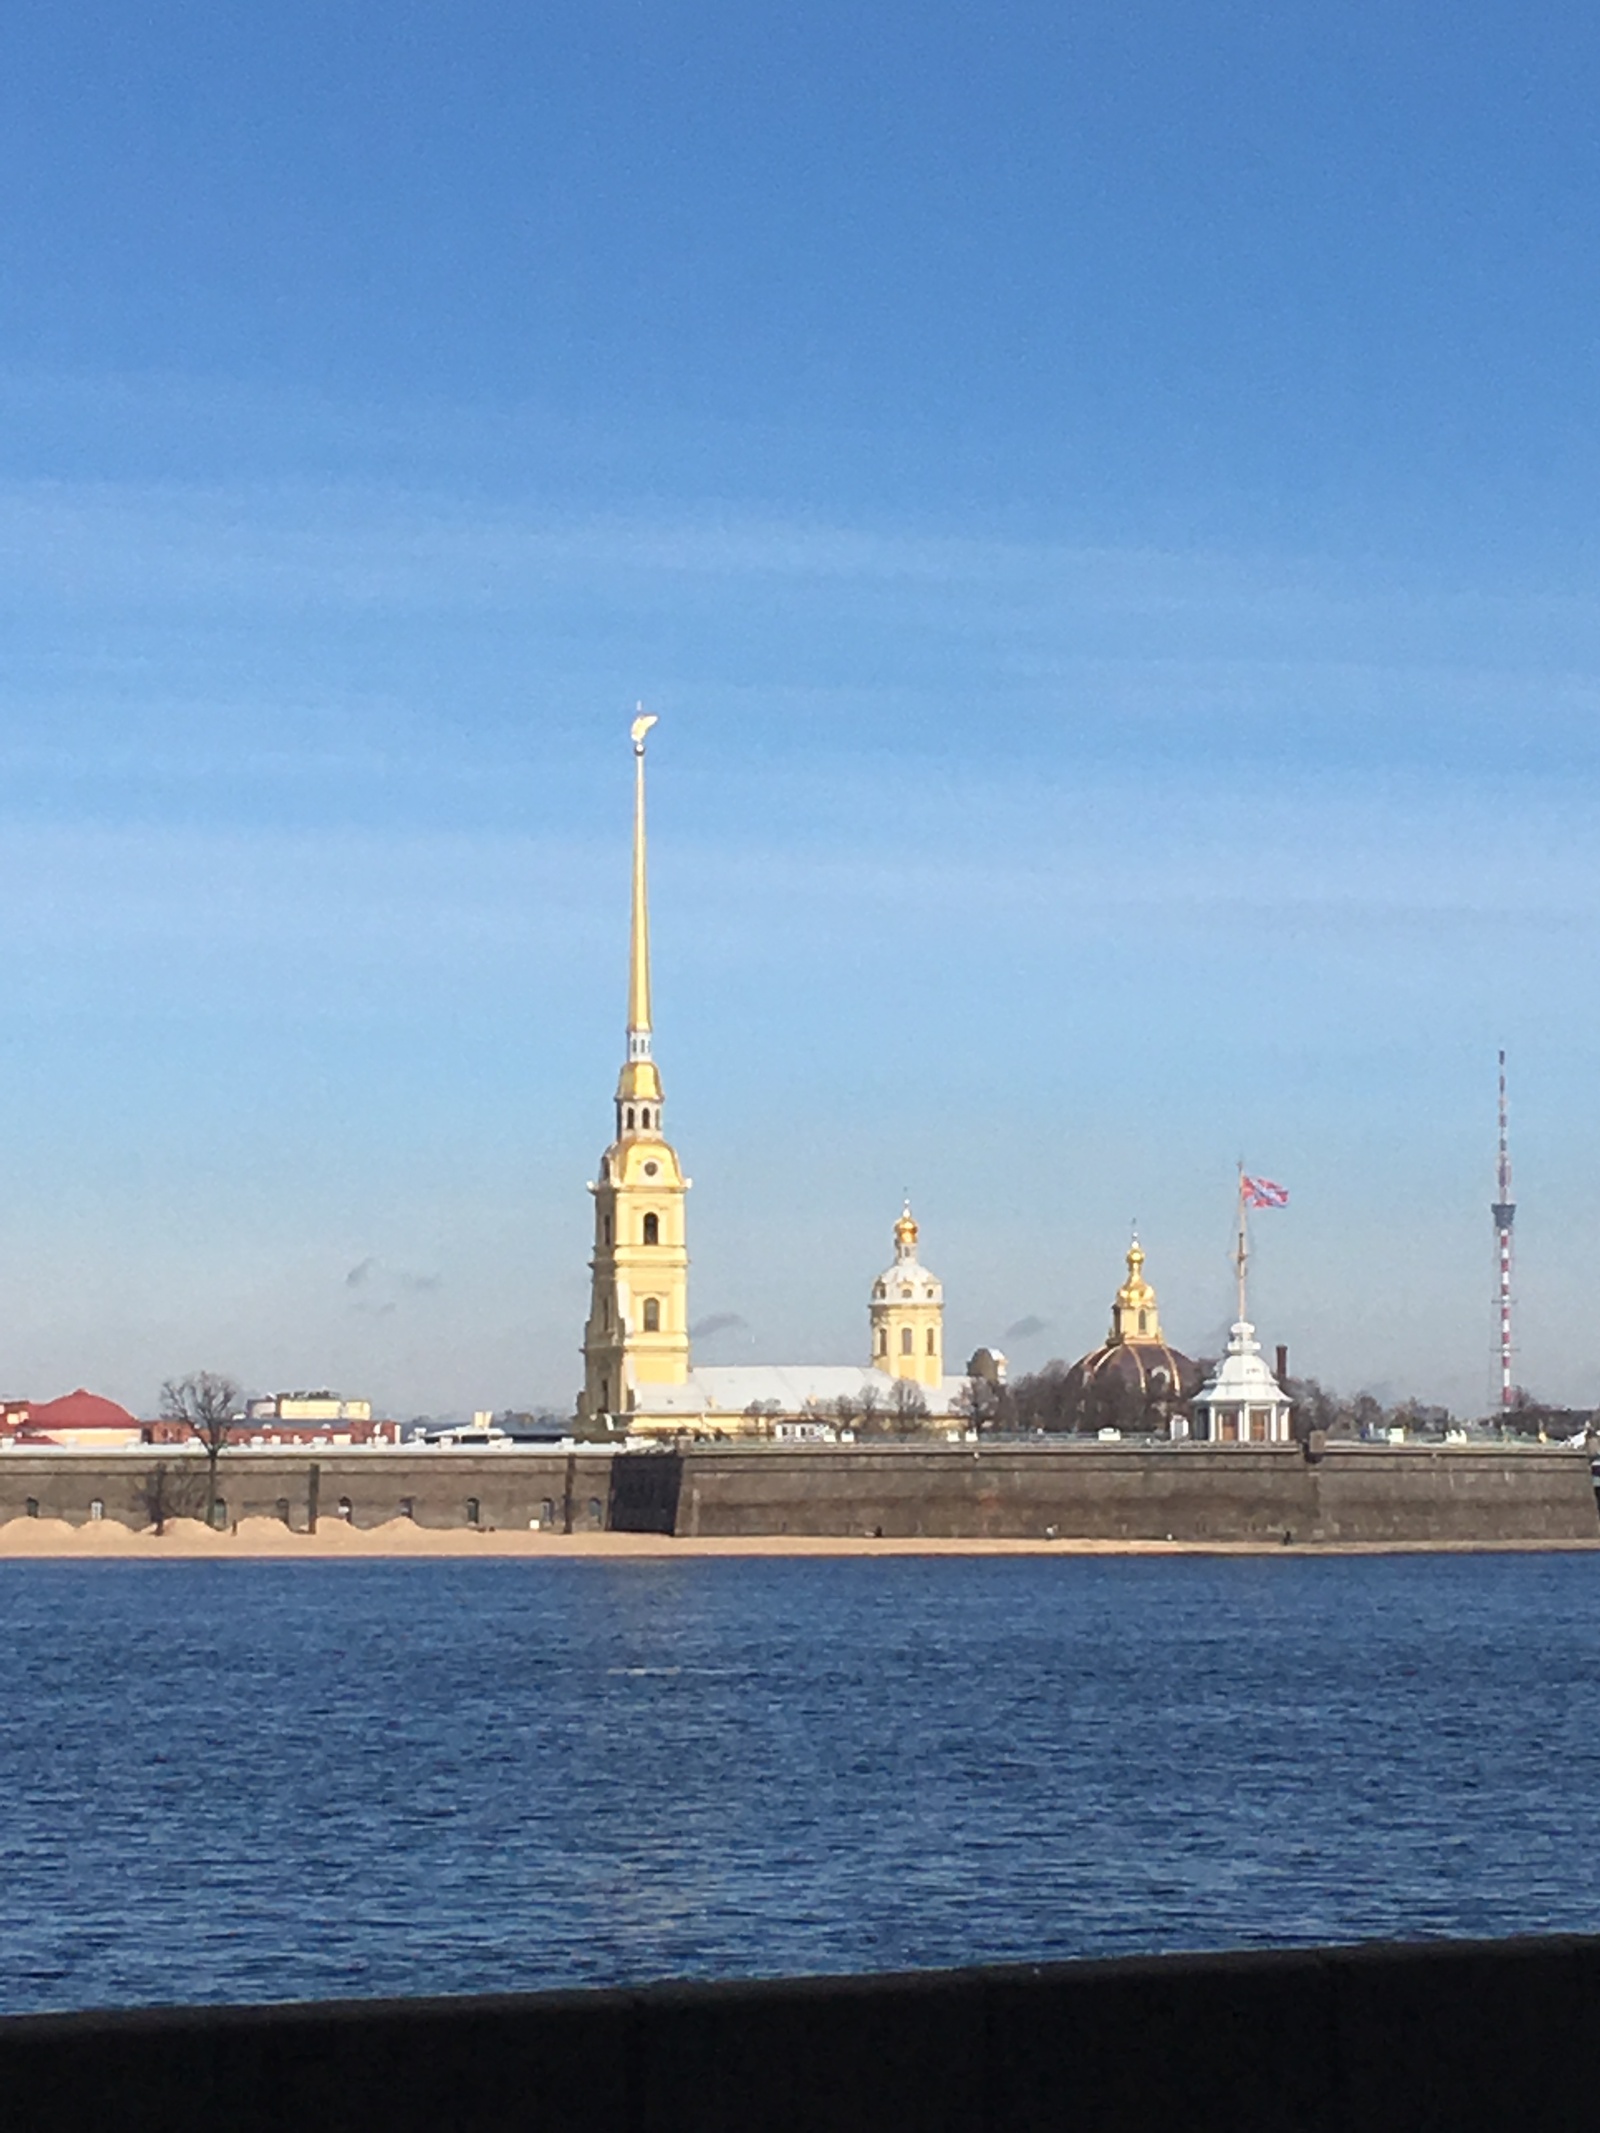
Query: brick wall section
[(510, 1488), (1115, 1492)]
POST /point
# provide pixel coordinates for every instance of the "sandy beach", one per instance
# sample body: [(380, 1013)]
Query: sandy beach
[(255, 1539)]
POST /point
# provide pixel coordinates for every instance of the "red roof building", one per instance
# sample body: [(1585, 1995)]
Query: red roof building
[(82, 1417)]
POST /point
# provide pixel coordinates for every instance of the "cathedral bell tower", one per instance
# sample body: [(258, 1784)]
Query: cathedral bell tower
[(638, 1326), (906, 1313)]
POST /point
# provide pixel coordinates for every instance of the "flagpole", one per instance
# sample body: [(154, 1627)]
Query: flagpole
[(1242, 1255)]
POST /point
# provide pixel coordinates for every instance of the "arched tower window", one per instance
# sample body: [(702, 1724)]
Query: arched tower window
[(652, 1315), (630, 1118), (652, 1229), (605, 1223), (933, 1342), (1144, 1321), (644, 1117), (883, 1340), (905, 1340)]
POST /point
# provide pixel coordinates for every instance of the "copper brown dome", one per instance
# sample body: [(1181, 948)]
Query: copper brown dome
[(1136, 1380)]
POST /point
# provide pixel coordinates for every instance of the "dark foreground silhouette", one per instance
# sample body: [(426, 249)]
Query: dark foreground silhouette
[(1434, 2035)]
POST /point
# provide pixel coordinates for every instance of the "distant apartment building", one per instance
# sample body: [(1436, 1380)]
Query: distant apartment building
[(309, 1418), (314, 1407), (313, 1418)]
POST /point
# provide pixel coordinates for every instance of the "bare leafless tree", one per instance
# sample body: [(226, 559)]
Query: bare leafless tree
[(981, 1403), (209, 1404), (168, 1490), (868, 1407), (1046, 1399), (909, 1406)]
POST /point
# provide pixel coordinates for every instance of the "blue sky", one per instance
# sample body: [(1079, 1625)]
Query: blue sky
[(1103, 500)]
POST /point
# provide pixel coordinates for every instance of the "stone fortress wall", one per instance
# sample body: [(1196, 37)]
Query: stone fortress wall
[(1184, 1492), (567, 1491), (1000, 1490)]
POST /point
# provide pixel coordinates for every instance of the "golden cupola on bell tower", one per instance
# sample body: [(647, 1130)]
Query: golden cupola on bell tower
[(638, 1327)]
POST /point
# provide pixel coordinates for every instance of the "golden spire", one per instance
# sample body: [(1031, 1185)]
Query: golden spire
[(640, 1084), (905, 1234), (639, 947)]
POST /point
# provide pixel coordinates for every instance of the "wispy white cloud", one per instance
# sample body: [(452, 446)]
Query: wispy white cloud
[(1019, 859), (1183, 640)]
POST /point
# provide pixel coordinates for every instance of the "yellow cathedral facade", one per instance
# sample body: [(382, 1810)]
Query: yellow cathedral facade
[(638, 1373)]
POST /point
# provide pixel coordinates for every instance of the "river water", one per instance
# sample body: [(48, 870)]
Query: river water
[(252, 1781)]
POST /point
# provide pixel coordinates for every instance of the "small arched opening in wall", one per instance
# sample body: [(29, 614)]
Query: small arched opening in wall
[(596, 1510), (652, 1315), (473, 1509), (281, 1510), (97, 1509), (652, 1229), (30, 1508), (346, 1509)]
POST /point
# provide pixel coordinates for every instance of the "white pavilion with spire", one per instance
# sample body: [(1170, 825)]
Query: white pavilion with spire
[(1241, 1402)]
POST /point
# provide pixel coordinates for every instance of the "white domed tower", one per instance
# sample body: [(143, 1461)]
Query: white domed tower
[(907, 1313)]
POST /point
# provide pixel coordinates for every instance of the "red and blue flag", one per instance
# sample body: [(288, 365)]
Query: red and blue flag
[(1261, 1192)]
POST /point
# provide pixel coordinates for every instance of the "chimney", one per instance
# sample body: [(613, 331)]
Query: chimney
[(1283, 1364)]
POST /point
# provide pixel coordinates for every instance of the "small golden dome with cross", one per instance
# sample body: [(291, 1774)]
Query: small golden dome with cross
[(1134, 1316)]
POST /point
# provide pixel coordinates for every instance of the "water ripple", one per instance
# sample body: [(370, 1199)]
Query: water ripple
[(263, 1781)]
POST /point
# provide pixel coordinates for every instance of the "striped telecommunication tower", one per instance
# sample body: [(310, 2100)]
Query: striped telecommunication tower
[(1504, 1211)]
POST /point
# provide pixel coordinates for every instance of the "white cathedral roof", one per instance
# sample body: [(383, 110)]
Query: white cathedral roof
[(908, 1274), (780, 1388)]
